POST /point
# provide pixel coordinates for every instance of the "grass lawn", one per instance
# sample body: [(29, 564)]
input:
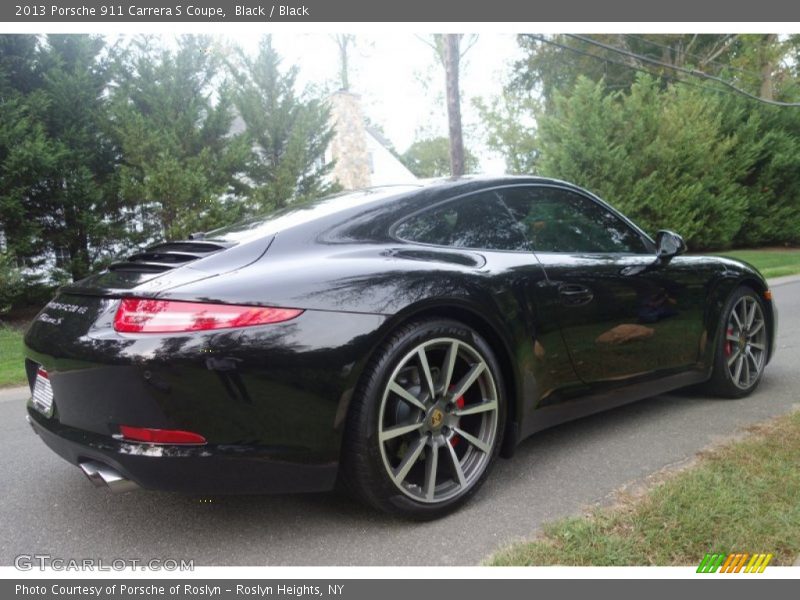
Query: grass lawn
[(772, 262), (12, 370), (739, 497)]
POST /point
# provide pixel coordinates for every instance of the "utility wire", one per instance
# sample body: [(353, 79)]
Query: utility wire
[(626, 65), (693, 72)]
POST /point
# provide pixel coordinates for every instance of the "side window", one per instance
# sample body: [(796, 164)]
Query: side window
[(559, 220), (478, 221)]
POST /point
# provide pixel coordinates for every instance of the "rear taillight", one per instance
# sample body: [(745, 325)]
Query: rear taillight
[(160, 436), (139, 315)]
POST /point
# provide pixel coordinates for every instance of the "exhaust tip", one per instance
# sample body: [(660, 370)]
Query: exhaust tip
[(102, 475), (91, 469)]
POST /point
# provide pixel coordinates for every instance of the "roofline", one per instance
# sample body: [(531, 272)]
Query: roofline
[(487, 178)]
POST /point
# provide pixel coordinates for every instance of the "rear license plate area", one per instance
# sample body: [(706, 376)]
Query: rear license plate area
[(43, 393)]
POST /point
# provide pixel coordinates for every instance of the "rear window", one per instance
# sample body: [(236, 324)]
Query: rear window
[(478, 221), (299, 214)]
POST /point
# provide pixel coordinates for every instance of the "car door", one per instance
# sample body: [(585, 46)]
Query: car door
[(621, 314), (480, 222)]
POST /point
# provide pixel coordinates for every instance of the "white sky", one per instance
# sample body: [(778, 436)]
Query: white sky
[(401, 84)]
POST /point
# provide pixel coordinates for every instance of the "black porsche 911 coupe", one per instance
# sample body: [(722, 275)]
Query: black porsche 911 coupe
[(394, 340)]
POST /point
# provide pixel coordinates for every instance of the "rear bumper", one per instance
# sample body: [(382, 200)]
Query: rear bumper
[(204, 469), (270, 400)]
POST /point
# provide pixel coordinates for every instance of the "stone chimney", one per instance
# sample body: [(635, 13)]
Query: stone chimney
[(349, 143)]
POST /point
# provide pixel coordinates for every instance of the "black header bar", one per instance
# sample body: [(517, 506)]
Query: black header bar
[(338, 11)]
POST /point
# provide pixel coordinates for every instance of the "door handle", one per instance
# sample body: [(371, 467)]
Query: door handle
[(575, 294)]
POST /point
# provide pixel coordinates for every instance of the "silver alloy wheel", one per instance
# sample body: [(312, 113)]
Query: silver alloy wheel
[(438, 420), (745, 342)]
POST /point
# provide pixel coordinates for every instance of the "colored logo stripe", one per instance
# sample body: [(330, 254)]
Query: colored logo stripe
[(710, 563), (758, 563), (734, 563)]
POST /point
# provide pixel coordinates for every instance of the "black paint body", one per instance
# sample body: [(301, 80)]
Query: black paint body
[(272, 400)]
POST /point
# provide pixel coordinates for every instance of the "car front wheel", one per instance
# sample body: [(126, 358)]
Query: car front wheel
[(741, 354)]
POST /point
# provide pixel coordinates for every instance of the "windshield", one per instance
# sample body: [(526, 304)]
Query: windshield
[(300, 214)]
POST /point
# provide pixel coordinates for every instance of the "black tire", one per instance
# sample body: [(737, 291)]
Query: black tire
[(723, 382), (367, 468)]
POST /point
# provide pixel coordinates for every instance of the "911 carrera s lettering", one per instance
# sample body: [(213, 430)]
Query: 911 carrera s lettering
[(45, 318), (65, 307)]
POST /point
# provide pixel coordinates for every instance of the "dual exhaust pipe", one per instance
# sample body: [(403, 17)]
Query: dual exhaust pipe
[(102, 475)]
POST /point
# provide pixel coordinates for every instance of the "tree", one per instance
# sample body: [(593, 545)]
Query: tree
[(82, 200), (173, 113), (449, 51), (59, 179), (762, 65), (769, 139), (27, 155), (451, 59), (344, 42), (510, 125), (553, 64), (12, 283), (663, 157), (430, 157), (646, 142), (288, 133)]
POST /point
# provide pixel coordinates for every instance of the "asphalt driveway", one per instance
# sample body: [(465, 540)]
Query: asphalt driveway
[(48, 507)]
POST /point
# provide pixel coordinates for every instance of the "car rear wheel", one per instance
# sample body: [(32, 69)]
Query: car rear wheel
[(741, 354), (426, 424)]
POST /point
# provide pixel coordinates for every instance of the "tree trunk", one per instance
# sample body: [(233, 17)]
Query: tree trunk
[(767, 91), (79, 255), (344, 41), (77, 245), (167, 217), (343, 66), (451, 65)]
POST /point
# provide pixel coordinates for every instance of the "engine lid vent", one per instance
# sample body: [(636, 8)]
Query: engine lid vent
[(168, 255)]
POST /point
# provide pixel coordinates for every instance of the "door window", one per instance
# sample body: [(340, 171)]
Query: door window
[(559, 220)]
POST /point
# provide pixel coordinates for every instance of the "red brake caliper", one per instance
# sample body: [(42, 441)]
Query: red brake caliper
[(728, 347), (460, 404)]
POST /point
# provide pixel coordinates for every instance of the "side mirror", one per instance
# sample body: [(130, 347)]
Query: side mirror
[(668, 245)]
